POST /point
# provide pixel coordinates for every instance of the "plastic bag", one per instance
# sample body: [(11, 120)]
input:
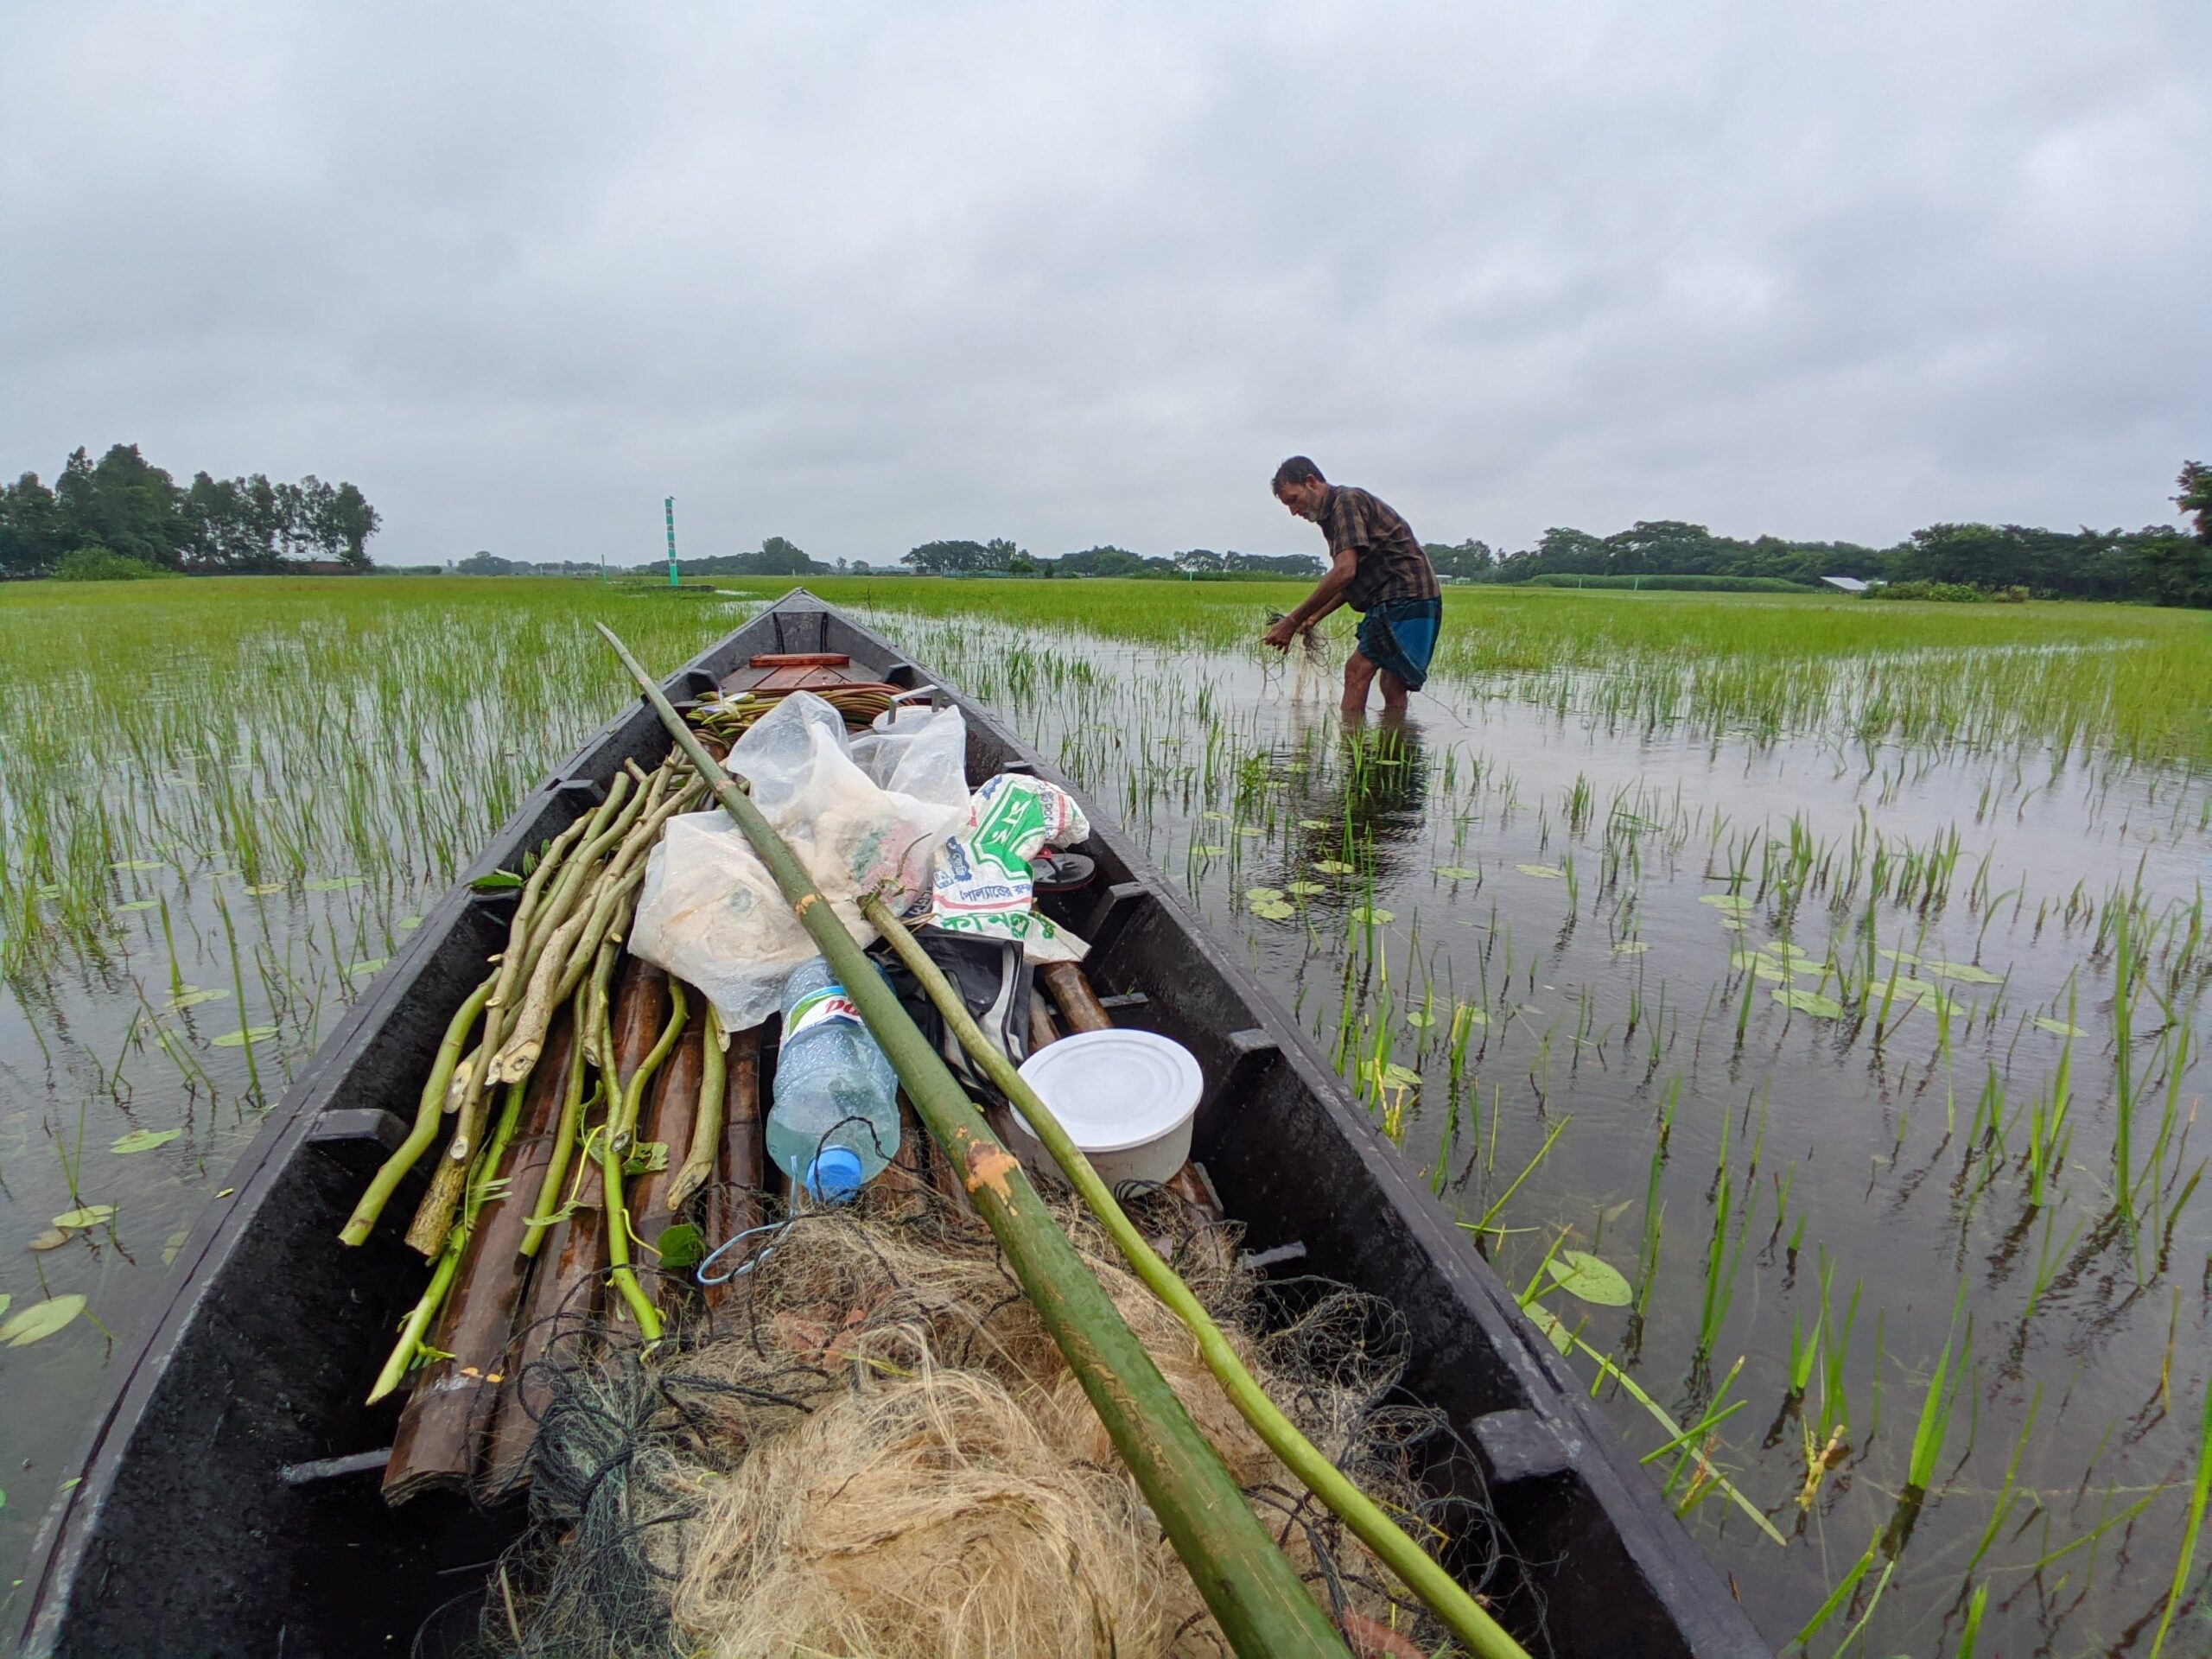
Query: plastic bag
[(922, 752), (983, 888), (711, 914)]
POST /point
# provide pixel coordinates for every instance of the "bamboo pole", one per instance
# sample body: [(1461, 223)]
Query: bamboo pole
[(1419, 1571), (387, 1181), (1254, 1594)]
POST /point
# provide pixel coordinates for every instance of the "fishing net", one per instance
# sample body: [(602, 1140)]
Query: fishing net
[(875, 1449)]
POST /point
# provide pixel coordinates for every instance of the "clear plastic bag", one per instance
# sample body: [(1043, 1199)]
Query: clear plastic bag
[(710, 913)]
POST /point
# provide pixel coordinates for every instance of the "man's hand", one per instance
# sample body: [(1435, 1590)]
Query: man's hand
[(1281, 634)]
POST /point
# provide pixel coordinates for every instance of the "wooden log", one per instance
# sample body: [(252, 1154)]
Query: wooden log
[(1079, 1004), (567, 1290), (1043, 1032), (449, 1415), (734, 1201), (671, 1105)]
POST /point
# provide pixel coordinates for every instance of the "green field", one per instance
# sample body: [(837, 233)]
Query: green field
[(1835, 972)]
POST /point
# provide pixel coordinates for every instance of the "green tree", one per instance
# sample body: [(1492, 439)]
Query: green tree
[(1104, 561), (125, 504), (32, 533), (1467, 560), (951, 558), (2195, 497)]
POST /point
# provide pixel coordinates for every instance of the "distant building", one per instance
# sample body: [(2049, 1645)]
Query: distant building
[(1850, 584)]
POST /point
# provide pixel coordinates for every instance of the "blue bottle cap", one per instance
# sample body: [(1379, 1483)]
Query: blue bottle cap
[(834, 1175)]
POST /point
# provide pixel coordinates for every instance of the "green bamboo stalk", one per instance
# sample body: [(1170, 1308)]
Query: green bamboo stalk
[(387, 1180), (1482, 1634), (1252, 1591), (564, 1140), (706, 1123), (622, 1125)]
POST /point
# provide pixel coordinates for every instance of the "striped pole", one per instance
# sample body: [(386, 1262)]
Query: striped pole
[(668, 505)]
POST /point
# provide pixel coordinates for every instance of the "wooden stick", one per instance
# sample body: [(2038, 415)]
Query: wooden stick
[(451, 1408), (733, 1202), (1079, 1004)]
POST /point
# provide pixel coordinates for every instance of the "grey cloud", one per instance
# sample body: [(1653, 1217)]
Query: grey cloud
[(1082, 274)]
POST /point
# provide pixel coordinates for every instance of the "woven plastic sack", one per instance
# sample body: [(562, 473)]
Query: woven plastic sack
[(711, 914)]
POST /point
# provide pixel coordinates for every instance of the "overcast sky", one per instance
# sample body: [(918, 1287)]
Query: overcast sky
[(869, 276)]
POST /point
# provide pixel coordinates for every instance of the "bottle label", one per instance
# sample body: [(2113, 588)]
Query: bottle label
[(819, 1009)]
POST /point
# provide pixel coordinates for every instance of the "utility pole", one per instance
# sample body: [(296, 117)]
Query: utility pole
[(668, 505)]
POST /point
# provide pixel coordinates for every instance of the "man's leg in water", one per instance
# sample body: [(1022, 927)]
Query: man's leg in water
[(1394, 692), (1359, 674)]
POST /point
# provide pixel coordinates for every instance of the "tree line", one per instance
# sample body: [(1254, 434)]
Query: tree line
[(2159, 563), (123, 506)]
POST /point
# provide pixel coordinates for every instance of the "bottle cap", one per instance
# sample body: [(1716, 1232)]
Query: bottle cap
[(834, 1175)]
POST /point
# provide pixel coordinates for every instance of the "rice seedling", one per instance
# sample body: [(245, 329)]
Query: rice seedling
[(1929, 760)]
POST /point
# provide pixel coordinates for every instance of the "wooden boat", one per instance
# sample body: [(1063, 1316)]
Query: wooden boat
[(229, 1502)]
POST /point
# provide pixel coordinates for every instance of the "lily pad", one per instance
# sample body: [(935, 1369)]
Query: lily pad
[(137, 864), (145, 1140), (1315, 824), (1541, 872), (1732, 902), (1333, 866), (1304, 889), (332, 883), (1788, 951), (1421, 1019), (1473, 1014), (1274, 910), (1393, 1075), (1219, 817), (1760, 963), (51, 1239), (1252, 830), (90, 1215), (2059, 1027), (1262, 895), (408, 923), (191, 997), (1812, 1002), (1905, 957), (1731, 924), (261, 888), (371, 966), (173, 1244), (40, 1320), (1209, 851), (243, 1035), (1631, 947), (138, 904), (1458, 873), (1584, 1276), (1373, 915), (1968, 971)]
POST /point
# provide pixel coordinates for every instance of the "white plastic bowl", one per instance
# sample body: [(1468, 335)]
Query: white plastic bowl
[(1126, 1098)]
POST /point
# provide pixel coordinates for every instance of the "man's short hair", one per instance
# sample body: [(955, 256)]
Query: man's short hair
[(1297, 470)]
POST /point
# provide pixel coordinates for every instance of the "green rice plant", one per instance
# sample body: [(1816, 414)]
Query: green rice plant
[(2200, 1495)]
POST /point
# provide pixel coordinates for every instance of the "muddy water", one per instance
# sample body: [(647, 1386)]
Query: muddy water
[(1553, 885)]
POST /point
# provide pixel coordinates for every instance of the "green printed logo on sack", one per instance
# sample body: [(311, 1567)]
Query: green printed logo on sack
[(819, 1009)]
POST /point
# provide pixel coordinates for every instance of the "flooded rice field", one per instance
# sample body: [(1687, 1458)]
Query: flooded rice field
[(1828, 1094)]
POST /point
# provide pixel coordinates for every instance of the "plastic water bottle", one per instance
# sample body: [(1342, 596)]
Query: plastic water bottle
[(835, 1123)]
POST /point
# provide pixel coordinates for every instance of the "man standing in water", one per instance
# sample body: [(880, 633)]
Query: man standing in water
[(1375, 566)]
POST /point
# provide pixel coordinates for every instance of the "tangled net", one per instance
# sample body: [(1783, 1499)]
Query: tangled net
[(876, 1450)]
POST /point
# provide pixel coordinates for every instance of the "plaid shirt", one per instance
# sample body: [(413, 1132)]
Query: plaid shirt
[(1391, 562)]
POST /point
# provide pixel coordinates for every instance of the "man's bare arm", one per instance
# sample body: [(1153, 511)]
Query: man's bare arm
[(1327, 594)]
